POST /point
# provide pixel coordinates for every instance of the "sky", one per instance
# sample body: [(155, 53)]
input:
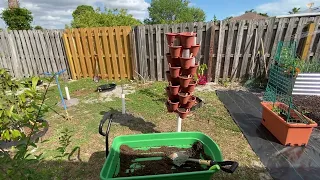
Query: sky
[(54, 14)]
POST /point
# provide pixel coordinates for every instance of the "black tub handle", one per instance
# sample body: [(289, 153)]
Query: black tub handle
[(232, 166), (106, 134)]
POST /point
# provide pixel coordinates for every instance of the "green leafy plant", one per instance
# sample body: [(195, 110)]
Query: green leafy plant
[(64, 141), (17, 18), (202, 68), (276, 109)]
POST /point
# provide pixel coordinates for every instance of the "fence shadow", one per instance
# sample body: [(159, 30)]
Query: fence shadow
[(132, 122)]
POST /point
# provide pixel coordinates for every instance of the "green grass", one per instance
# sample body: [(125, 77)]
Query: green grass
[(148, 115)]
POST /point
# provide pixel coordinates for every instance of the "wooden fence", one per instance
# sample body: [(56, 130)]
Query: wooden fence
[(32, 52), (232, 49), (105, 51)]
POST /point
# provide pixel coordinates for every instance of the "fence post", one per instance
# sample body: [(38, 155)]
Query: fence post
[(306, 47), (14, 58), (133, 53)]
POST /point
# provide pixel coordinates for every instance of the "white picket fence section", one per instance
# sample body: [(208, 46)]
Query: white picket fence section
[(307, 84)]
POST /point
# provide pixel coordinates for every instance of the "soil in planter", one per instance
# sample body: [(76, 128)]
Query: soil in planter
[(162, 166), (309, 104)]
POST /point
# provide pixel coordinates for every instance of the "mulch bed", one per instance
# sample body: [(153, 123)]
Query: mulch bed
[(309, 104), (162, 166)]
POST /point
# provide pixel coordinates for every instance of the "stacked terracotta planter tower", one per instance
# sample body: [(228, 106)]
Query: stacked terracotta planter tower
[(182, 69)]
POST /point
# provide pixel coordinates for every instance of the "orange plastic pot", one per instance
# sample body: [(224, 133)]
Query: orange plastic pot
[(171, 37), (185, 62), (184, 81), (292, 134), (187, 39), (175, 51), (183, 97), (174, 71), (191, 102), (174, 89), (186, 72), (193, 69), (195, 49), (174, 104), (183, 112)]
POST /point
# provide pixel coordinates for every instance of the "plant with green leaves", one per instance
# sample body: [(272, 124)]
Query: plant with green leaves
[(17, 18), (65, 141)]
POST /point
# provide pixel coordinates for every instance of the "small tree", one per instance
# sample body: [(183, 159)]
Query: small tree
[(38, 27), (294, 10), (17, 18), (254, 11)]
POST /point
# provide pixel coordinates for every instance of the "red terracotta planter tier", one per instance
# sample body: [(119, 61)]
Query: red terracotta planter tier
[(190, 88), (187, 39), (174, 71), (193, 69), (195, 49), (183, 112), (184, 81), (175, 51), (293, 134), (171, 37), (174, 104), (174, 89), (185, 62), (184, 97)]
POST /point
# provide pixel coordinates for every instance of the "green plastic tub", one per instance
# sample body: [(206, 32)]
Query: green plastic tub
[(147, 141)]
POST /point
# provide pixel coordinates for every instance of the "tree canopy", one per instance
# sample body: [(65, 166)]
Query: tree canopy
[(86, 16), (254, 11), (294, 10), (17, 18), (173, 11), (38, 27)]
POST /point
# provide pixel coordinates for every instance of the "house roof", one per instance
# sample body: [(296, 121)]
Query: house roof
[(248, 16), (310, 10)]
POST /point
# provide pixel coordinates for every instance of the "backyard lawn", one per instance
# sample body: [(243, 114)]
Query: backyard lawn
[(146, 114)]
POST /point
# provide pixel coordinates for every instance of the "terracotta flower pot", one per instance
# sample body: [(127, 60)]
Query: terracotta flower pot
[(169, 59), (183, 97), (174, 104), (183, 112), (186, 72), (187, 39), (175, 81), (169, 107), (168, 76), (174, 71), (171, 37), (191, 102), (185, 62), (195, 49), (175, 51), (174, 89), (193, 69), (184, 81), (190, 89), (175, 62), (287, 133)]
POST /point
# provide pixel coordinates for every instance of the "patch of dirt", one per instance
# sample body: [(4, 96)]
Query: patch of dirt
[(309, 104), (163, 166), (82, 92), (211, 87)]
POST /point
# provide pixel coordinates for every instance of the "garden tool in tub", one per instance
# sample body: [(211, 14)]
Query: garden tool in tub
[(179, 158)]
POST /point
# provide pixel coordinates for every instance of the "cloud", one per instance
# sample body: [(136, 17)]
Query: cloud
[(282, 7), (54, 14)]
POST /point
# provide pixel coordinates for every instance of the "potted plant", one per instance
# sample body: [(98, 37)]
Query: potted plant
[(288, 125), (202, 79)]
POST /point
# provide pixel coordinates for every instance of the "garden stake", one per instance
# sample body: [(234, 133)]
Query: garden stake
[(179, 122), (123, 98), (56, 75)]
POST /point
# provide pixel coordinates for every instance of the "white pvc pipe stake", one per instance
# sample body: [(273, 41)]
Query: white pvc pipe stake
[(179, 122), (123, 97), (67, 92)]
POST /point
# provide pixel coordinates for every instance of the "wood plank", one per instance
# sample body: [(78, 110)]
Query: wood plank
[(199, 41), (228, 50), (99, 50), (20, 54), (106, 53), (307, 44), (143, 58), (92, 53), (220, 50), (277, 38), (166, 47), (139, 52), (40, 67), (67, 40), (84, 42), (5, 53), (269, 34), (62, 50), (126, 41), (207, 43), (300, 27), (247, 48), (26, 53), (17, 71), (54, 48), (44, 51), (29, 53), (50, 51), (133, 51), (292, 22), (151, 52), (317, 24), (74, 54), (235, 65), (113, 53), (83, 65), (160, 69), (119, 51), (211, 49)]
